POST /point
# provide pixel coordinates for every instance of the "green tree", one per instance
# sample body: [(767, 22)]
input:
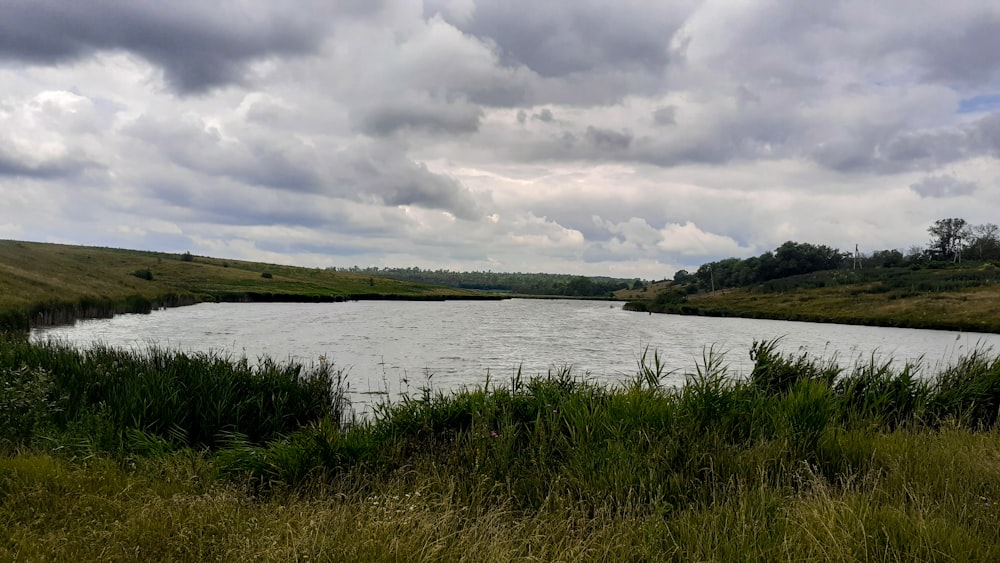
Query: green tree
[(886, 259), (948, 237), (802, 258), (984, 242), (682, 277)]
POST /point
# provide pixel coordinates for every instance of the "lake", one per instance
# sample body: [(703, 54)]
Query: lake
[(399, 346)]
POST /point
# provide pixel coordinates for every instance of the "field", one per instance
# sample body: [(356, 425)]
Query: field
[(948, 297), (50, 283), (122, 456), (129, 455)]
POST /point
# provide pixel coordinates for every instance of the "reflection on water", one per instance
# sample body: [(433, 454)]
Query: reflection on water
[(388, 347)]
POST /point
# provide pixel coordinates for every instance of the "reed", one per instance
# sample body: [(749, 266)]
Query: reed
[(190, 399), (802, 459)]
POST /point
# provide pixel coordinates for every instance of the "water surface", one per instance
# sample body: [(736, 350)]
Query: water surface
[(394, 346)]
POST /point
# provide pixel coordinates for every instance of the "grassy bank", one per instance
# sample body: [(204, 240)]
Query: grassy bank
[(952, 297), (801, 460), (52, 283)]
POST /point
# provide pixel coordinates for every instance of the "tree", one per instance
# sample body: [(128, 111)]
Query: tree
[(580, 286), (886, 259), (916, 254), (795, 258), (984, 242), (683, 276), (948, 238)]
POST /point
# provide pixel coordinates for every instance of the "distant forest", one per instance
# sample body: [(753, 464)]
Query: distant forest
[(952, 240), (518, 283)]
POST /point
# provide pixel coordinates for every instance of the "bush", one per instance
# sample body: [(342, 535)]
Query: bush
[(190, 398), (145, 274), (266, 275), (26, 403), (775, 373)]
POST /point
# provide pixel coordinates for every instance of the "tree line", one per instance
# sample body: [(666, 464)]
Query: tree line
[(789, 259), (952, 240), (516, 282)]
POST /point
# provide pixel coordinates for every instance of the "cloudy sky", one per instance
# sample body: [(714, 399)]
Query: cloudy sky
[(628, 138)]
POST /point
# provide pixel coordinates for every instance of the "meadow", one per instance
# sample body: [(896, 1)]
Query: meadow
[(938, 296), (44, 283), (134, 455), (128, 455)]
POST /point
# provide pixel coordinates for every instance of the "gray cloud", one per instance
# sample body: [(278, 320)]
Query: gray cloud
[(608, 140), (430, 117), (943, 186), (562, 38), (544, 116), (11, 165), (257, 161), (363, 172), (964, 53), (888, 152), (199, 46), (384, 172), (666, 115)]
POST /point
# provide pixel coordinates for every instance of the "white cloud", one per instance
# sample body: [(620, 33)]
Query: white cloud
[(689, 240), (581, 136), (943, 186)]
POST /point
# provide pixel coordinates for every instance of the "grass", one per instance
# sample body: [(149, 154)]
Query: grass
[(51, 283), (111, 396), (952, 297), (801, 460)]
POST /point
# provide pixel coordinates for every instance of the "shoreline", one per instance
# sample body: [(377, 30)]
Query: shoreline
[(50, 314), (887, 322)]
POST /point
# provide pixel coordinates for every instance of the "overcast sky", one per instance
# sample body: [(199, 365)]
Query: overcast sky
[(621, 138)]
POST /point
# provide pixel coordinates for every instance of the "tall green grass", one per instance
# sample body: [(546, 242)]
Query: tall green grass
[(196, 400), (643, 443), (802, 459)]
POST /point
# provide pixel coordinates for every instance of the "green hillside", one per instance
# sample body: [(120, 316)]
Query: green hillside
[(41, 283), (939, 295)]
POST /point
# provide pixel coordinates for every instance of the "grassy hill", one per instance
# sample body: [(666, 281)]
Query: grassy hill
[(44, 283), (955, 297)]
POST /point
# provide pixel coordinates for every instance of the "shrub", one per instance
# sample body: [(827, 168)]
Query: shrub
[(26, 404), (168, 394), (145, 274), (775, 373), (266, 275)]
